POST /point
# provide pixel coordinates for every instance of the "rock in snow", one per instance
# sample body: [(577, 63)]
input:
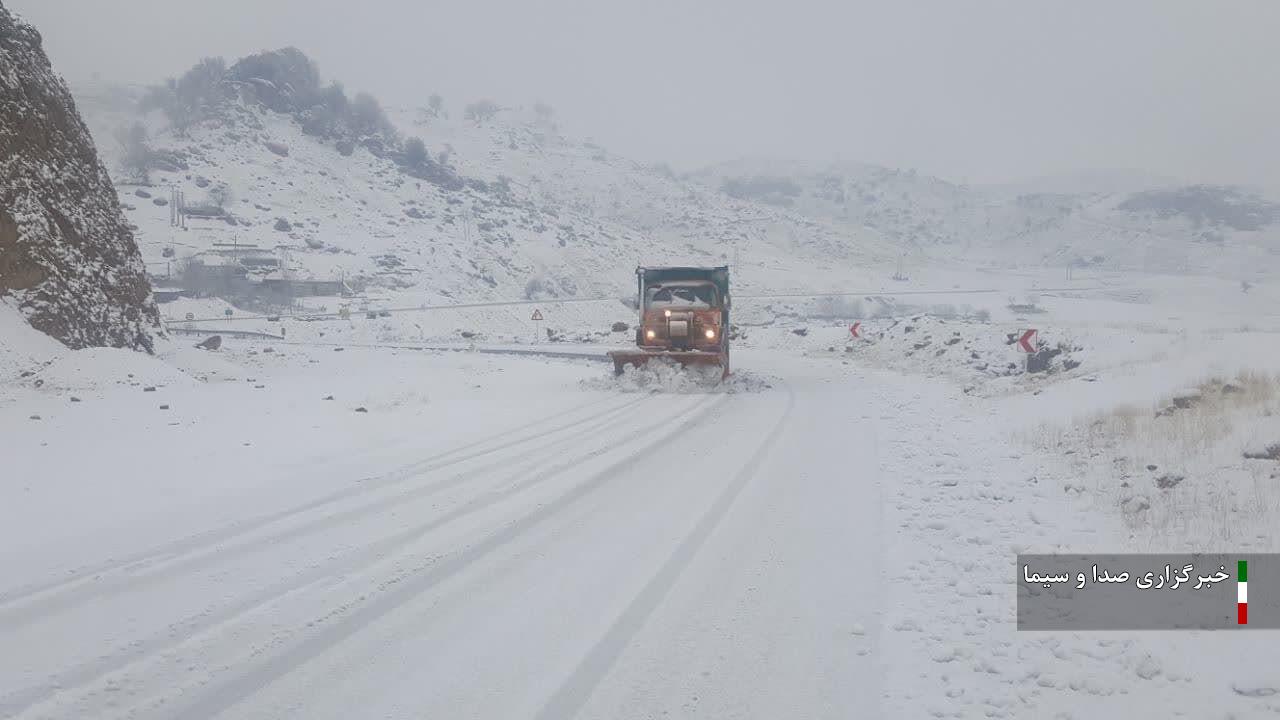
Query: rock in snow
[(66, 254), (213, 342)]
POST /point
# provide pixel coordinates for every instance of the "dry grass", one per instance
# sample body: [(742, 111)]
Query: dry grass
[(1176, 471)]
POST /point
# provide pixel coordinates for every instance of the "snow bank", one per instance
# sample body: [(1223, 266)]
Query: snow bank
[(969, 351), (666, 376), (22, 347), (94, 368), (1198, 467)]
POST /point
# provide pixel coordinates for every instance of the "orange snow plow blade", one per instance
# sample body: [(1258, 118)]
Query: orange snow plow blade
[(638, 358)]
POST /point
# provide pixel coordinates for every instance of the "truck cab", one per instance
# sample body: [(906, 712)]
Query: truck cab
[(684, 316)]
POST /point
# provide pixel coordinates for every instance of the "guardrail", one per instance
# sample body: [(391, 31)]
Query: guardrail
[(228, 333), (600, 355)]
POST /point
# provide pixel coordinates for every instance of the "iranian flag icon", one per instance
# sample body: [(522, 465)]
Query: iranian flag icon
[(1242, 593)]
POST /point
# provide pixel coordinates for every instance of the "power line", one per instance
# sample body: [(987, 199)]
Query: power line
[(416, 308), (881, 293), (569, 301)]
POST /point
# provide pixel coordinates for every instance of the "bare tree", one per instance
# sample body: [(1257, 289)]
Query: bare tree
[(435, 105), (481, 111), (221, 195), (137, 154)]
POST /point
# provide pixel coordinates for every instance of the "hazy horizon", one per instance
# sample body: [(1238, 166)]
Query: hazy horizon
[(990, 93)]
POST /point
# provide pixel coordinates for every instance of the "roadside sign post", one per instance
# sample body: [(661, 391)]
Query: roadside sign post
[(537, 325), (1027, 347)]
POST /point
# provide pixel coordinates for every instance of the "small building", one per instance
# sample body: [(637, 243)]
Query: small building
[(302, 287), (242, 271), (167, 294), (211, 274)]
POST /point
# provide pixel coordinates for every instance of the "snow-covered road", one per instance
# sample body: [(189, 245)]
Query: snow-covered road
[(625, 555), (308, 531)]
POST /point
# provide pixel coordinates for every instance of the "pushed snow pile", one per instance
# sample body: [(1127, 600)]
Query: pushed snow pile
[(93, 368), (959, 348), (666, 376), (22, 347)]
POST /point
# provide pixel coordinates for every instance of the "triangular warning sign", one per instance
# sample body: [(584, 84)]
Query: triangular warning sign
[(537, 314)]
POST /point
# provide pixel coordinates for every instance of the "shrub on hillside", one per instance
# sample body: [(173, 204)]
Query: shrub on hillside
[(1206, 205), (280, 79), (203, 85), (137, 155), (186, 99), (221, 195), (415, 151), (164, 98), (285, 80), (435, 106), (368, 117), (481, 111), (762, 188), (327, 112)]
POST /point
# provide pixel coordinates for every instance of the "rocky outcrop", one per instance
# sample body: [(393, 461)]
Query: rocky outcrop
[(66, 254)]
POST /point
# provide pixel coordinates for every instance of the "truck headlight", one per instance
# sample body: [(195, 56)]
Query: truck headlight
[(666, 313), (650, 334), (711, 334)]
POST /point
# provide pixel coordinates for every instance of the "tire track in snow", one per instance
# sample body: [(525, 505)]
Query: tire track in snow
[(345, 622), (205, 623), (596, 664), (48, 597), (183, 630)]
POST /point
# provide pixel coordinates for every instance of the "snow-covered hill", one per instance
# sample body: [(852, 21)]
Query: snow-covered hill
[(528, 212), (1120, 221), (507, 207)]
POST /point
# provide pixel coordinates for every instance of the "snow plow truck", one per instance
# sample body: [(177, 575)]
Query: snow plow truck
[(684, 317)]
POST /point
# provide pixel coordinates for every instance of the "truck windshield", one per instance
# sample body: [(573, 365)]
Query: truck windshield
[(686, 296)]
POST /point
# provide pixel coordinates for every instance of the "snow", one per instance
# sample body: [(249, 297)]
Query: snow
[(93, 368), (667, 376), (445, 513), (822, 531), (22, 348)]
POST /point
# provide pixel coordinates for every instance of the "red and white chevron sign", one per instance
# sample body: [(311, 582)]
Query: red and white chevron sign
[(1025, 341)]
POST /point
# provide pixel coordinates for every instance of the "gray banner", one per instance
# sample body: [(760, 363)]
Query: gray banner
[(1146, 592)]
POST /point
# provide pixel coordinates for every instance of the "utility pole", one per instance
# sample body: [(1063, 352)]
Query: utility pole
[(177, 218), (462, 220)]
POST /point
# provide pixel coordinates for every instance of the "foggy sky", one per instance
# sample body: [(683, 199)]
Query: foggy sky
[(976, 90)]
